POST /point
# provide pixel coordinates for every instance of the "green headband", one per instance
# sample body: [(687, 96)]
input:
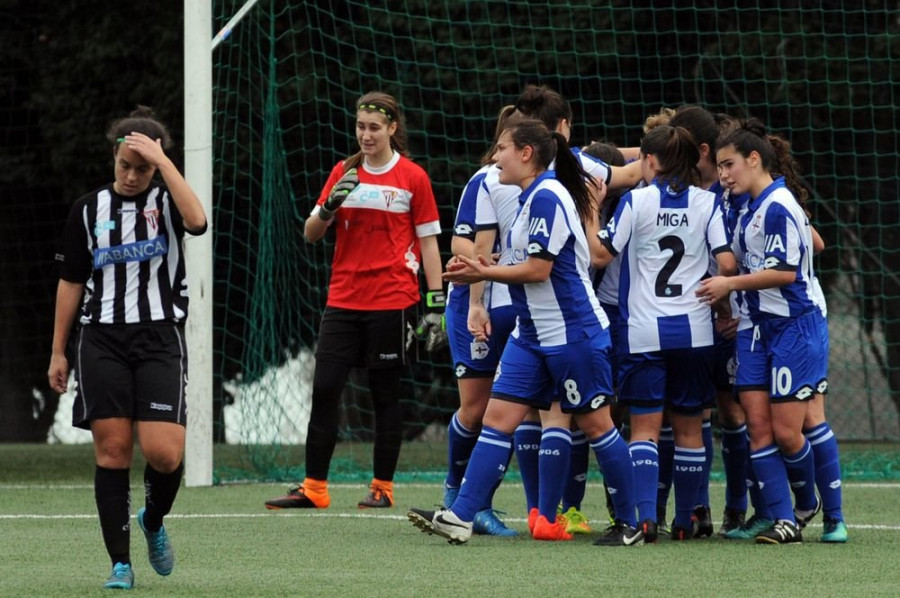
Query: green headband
[(378, 108)]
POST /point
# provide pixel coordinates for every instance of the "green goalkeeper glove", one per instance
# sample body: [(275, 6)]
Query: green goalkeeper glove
[(345, 185), (431, 327)]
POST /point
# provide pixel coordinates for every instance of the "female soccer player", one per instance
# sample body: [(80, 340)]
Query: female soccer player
[(560, 349), (781, 359), (735, 452), (474, 359), (666, 233), (386, 225), (122, 275)]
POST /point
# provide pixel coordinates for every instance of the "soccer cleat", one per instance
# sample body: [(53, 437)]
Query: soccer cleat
[(300, 498), (620, 534), (121, 578), (610, 505), (835, 531), (751, 528), (783, 532), (159, 548), (380, 496), (450, 495), (532, 518), (442, 522), (731, 519), (702, 519), (487, 523), (803, 517), (679, 534), (575, 521), (550, 532), (650, 531), (662, 528)]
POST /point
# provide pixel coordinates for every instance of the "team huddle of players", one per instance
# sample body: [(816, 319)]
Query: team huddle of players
[(637, 289)]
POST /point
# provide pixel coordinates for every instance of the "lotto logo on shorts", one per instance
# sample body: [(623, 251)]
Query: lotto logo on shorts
[(161, 407)]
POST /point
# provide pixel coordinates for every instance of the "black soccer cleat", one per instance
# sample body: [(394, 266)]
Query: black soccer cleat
[(702, 518), (783, 532), (620, 534), (731, 519)]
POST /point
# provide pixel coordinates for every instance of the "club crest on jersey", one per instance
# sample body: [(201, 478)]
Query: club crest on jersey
[(478, 350), (152, 218), (538, 226), (389, 196), (756, 221)]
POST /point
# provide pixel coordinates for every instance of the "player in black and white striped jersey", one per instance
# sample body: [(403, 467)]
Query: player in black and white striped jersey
[(122, 276)]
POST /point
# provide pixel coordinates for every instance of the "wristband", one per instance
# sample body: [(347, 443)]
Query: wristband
[(435, 300), (325, 214)]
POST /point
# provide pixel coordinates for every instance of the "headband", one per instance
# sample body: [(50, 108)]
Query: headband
[(378, 108)]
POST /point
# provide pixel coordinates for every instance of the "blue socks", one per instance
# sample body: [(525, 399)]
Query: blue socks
[(735, 459), (618, 472), (578, 470), (828, 469), (646, 463), (528, 444), (666, 450), (709, 448), (771, 475), (553, 465), (486, 466), (460, 442), (690, 474), (801, 471)]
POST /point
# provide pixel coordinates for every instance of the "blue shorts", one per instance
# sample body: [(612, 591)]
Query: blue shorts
[(577, 374), (822, 326), (615, 333), (723, 363), (471, 358), (785, 356), (679, 379)]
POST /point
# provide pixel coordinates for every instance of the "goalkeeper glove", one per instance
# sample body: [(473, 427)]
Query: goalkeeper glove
[(431, 327), (345, 185)]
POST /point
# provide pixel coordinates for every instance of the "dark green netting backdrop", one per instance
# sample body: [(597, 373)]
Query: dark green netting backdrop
[(822, 74)]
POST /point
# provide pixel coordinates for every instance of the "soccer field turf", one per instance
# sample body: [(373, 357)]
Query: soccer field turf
[(227, 544)]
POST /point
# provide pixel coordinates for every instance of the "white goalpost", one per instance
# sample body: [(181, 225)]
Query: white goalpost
[(198, 161), (198, 157)]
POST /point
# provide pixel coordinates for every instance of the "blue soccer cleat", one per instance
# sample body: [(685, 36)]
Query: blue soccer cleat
[(487, 523), (159, 548), (121, 578)]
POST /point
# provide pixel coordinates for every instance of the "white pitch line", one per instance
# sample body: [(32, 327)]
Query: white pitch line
[(850, 485), (333, 515)]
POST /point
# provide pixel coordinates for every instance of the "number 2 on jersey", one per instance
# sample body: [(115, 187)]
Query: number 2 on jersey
[(676, 246)]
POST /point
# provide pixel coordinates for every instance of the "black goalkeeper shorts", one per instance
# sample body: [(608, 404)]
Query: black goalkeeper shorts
[(372, 339)]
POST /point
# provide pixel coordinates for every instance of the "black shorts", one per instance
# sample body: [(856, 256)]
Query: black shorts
[(138, 371), (373, 339)]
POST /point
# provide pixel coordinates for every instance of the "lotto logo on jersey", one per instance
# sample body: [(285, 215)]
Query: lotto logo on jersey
[(463, 230), (538, 226)]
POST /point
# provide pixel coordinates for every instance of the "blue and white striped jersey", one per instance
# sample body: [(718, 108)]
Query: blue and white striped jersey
[(564, 308), (464, 225), (774, 233), (665, 239)]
